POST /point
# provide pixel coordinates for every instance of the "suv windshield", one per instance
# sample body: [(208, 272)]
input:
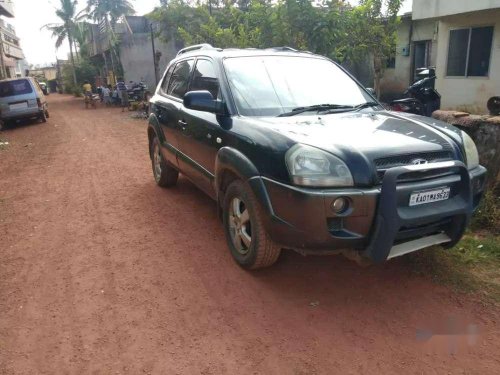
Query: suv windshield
[(17, 87), (274, 85)]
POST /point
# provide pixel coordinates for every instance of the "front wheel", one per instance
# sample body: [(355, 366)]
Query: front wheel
[(249, 243), (165, 175)]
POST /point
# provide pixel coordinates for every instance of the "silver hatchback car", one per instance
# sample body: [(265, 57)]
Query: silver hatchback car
[(22, 98)]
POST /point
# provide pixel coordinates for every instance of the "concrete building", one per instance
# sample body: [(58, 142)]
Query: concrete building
[(11, 53), (461, 38), (6, 9), (135, 51)]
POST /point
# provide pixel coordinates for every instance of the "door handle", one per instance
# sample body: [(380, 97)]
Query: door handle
[(183, 124)]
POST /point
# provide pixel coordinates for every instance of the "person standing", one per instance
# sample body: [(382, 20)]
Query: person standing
[(106, 94), (122, 89)]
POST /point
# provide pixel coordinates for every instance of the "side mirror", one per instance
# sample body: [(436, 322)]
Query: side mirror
[(202, 101), (371, 91)]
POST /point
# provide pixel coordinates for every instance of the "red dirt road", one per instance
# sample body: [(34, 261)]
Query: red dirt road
[(103, 272)]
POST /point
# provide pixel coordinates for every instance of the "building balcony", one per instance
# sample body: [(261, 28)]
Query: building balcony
[(13, 51)]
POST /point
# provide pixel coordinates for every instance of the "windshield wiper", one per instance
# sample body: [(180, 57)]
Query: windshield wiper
[(314, 108), (366, 105)]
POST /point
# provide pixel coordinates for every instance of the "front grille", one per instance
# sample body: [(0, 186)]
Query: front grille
[(401, 160), (382, 164)]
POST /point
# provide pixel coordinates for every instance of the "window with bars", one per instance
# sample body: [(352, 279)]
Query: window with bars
[(469, 52)]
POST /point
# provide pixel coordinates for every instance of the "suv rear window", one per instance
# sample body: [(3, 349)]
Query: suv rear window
[(17, 87)]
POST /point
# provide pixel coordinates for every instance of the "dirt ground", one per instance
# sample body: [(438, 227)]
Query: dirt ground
[(103, 272)]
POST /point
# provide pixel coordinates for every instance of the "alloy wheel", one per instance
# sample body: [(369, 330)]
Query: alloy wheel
[(240, 226)]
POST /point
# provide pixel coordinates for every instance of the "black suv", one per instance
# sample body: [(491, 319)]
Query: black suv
[(298, 155)]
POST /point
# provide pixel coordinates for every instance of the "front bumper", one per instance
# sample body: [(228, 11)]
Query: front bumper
[(379, 224)]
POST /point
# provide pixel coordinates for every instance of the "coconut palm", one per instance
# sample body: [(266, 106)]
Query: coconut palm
[(109, 11), (65, 30)]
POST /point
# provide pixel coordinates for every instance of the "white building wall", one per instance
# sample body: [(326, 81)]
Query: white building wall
[(470, 93), (423, 9)]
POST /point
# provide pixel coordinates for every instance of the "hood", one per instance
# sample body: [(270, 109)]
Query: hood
[(373, 134)]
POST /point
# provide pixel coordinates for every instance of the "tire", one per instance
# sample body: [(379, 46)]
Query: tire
[(247, 239), (165, 175)]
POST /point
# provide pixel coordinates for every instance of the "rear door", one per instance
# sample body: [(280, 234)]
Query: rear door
[(167, 104), (201, 135)]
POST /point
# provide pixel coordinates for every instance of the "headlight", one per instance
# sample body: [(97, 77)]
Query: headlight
[(471, 153), (309, 166)]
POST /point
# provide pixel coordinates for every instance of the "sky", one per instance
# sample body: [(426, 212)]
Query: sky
[(38, 46), (31, 15)]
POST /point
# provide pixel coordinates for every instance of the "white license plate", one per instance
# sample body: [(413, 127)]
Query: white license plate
[(22, 105), (429, 196)]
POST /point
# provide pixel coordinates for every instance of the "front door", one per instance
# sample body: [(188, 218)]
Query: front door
[(167, 105), (201, 136), (421, 55)]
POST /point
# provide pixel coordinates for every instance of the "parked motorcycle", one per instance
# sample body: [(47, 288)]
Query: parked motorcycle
[(137, 92), (423, 99)]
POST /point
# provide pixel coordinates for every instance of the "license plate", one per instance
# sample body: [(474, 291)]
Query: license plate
[(18, 106), (429, 196)]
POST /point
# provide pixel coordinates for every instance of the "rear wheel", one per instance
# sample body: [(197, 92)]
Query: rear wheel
[(249, 243), (165, 175)]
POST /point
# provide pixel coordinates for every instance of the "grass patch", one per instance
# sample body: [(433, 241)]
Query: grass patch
[(487, 216), (472, 266)]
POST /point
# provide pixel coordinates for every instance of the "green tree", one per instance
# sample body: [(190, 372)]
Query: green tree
[(373, 29), (333, 28), (65, 30)]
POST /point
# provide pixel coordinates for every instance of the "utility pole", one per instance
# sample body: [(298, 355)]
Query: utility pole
[(154, 53)]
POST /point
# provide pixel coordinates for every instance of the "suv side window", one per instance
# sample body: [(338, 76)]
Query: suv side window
[(204, 78), (180, 79), (164, 84)]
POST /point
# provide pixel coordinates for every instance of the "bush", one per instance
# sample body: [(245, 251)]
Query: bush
[(85, 71), (487, 217)]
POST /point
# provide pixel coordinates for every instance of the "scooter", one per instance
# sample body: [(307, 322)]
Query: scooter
[(423, 99)]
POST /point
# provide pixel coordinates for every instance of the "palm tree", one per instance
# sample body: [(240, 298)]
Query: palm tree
[(109, 11), (65, 30)]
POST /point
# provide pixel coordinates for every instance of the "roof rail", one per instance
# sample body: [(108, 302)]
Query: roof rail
[(283, 48), (194, 48)]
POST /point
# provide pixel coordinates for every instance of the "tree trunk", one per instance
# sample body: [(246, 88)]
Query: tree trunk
[(70, 39), (76, 51), (378, 72)]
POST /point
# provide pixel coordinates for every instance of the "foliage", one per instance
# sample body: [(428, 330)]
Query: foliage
[(85, 71), (487, 217), (110, 10), (332, 28), (66, 30)]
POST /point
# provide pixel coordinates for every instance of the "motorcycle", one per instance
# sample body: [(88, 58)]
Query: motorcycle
[(423, 99), (137, 92)]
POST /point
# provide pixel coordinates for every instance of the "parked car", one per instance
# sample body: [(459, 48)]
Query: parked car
[(298, 155), (22, 98)]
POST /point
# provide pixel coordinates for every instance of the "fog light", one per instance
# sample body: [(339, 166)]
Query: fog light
[(340, 205)]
